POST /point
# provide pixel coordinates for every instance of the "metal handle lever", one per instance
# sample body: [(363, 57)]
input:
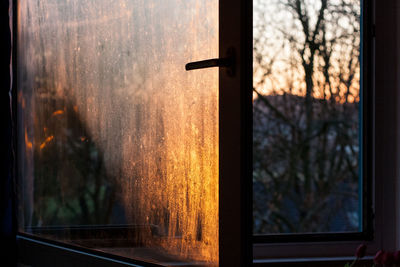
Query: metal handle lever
[(227, 62), (208, 63)]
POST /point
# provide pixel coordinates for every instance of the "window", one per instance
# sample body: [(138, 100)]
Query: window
[(78, 244), (117, 145), (114, 132), (336, 236), (307, 141)]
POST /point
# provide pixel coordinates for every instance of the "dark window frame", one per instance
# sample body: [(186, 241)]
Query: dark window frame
[(381, 126)]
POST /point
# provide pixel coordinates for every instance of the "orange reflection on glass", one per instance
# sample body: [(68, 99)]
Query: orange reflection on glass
[(58, 112), (138, 135), (48, 140), (28, 144)]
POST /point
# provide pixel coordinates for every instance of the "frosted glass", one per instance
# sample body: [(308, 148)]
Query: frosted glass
[(113, 130)]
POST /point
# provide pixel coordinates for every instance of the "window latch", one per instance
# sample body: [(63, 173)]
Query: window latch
[(227, 62)]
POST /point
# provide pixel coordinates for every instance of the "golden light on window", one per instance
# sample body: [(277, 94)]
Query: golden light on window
[(136, 135)]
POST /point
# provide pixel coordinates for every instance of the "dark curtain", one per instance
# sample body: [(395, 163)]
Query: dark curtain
[(7, 214)]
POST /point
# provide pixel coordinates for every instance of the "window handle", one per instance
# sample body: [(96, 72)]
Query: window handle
[(208, 63), (226, 62)]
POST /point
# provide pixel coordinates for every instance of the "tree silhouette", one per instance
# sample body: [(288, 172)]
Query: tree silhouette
[(306, 87)]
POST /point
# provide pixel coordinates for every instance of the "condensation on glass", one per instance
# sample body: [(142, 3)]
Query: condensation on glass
[(306, 122), (118, 145)]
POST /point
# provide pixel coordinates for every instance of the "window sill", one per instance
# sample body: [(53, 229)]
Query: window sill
[(48, 253), (315, 261)]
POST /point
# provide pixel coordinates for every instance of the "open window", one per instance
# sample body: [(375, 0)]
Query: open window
[(123, 156)]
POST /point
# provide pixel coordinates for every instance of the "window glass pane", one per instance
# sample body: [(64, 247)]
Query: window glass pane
[(117, 143), (306, 140)]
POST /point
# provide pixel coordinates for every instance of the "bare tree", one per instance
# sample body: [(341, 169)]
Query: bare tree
[(306, 115)]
